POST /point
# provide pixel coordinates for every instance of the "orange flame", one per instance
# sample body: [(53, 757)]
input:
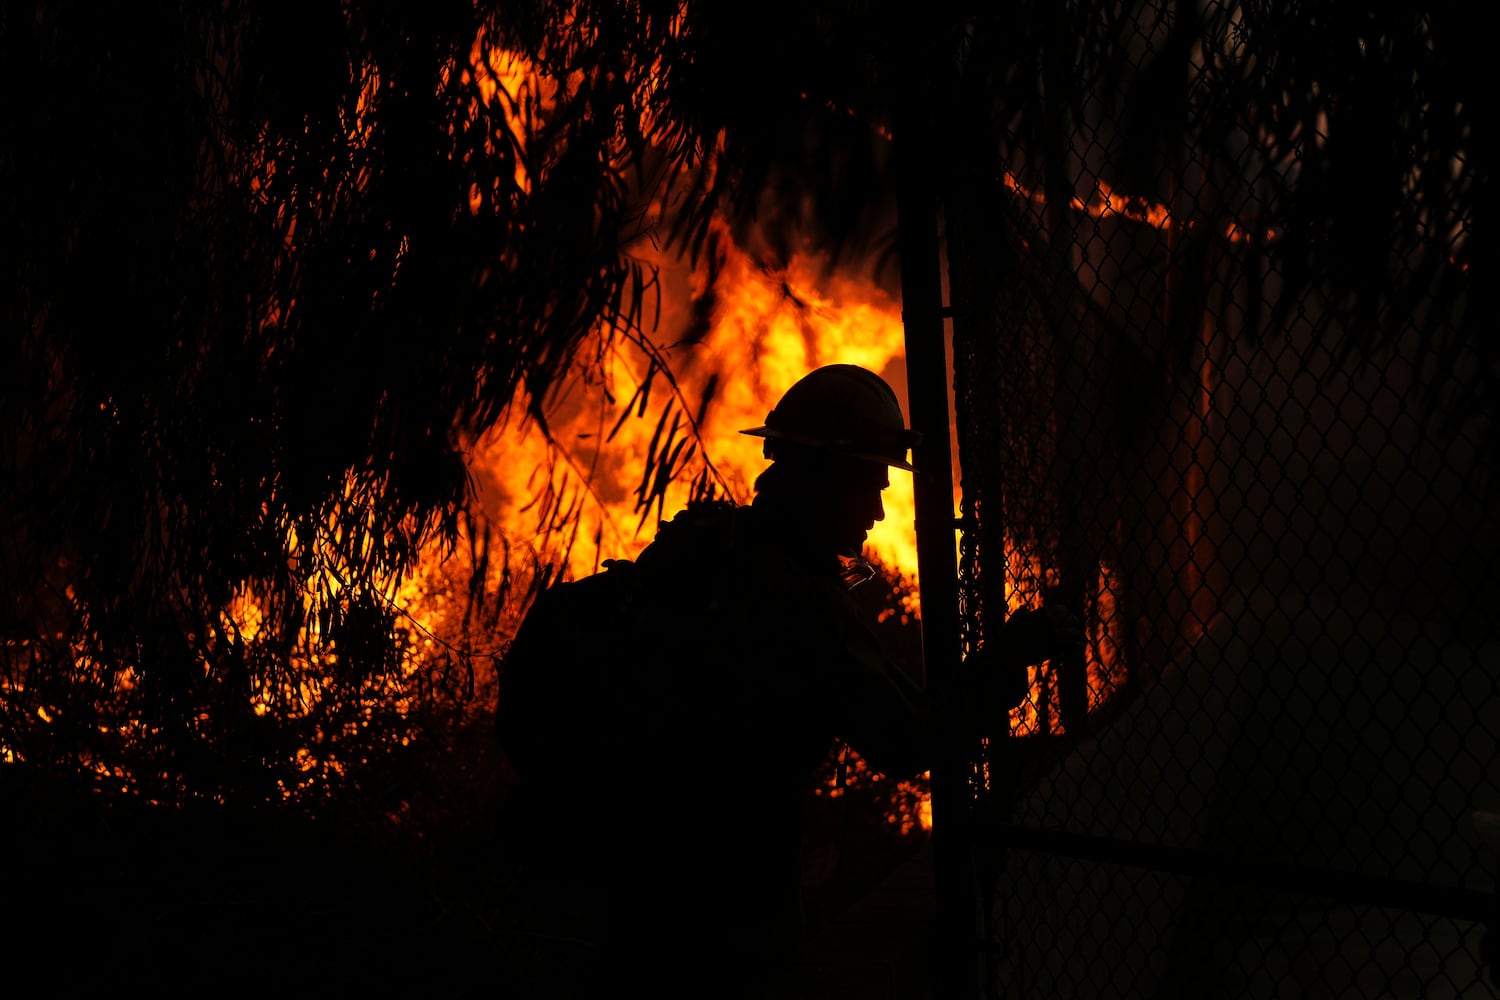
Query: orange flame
[(768, 328)]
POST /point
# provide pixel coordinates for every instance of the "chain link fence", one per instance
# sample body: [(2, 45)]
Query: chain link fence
[(1270, 773)]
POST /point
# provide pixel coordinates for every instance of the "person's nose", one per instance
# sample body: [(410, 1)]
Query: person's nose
[(879, 509)]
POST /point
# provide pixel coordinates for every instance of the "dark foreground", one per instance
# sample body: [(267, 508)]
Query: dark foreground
[(102, 896)]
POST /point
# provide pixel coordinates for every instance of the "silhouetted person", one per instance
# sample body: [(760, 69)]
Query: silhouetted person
[(694, 693)]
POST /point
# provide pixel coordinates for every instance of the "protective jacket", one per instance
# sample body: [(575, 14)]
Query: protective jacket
[(729, 659)]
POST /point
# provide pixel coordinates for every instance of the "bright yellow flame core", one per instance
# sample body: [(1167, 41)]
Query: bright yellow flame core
[(768, 328)]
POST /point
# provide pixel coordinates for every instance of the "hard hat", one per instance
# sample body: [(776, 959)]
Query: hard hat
[(846, 409)]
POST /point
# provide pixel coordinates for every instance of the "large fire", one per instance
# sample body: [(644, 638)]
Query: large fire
[(658, 400), (768, 327), (563, 498), (566, 497)]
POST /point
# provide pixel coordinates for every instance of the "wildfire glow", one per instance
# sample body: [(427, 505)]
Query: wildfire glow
[(768, 329), (1106, 202), (500, 74), (572, 492)]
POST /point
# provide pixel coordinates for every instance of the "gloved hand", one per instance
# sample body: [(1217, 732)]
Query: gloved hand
[(1032, 635), (998, 671)]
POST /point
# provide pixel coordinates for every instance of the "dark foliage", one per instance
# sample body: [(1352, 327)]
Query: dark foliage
[(1344, 148), (267, 265)]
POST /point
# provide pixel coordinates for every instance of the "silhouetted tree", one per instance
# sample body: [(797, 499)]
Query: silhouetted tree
[(267, 266)]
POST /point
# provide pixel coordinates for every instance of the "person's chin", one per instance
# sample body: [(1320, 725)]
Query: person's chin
[(853, 547)]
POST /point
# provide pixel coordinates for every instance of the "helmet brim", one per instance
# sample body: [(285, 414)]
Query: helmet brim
[(846, 448)]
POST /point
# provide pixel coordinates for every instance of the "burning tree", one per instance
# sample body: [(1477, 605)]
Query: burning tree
[(273, 270), (268, 267)]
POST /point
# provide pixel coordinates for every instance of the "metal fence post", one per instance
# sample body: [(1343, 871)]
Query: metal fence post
[(956, 957)]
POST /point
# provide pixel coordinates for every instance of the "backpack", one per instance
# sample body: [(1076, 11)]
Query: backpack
[(551, 714)]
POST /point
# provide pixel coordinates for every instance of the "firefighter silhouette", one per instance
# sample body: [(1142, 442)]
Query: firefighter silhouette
[(666, 716)]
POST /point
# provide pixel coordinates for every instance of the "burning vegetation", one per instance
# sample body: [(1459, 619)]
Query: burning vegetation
[(271, 550)]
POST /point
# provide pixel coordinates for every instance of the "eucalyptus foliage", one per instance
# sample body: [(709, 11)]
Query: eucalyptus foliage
[(268, 265)]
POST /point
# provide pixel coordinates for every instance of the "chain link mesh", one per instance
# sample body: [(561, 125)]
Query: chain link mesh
[(1268, 775)]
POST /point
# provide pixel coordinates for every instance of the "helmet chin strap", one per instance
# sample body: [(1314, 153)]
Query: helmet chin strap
[(855, 570)]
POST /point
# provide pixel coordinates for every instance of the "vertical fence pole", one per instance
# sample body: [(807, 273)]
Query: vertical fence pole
[(956, 956)]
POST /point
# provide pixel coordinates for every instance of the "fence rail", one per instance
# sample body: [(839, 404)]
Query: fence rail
[(1419, 897)]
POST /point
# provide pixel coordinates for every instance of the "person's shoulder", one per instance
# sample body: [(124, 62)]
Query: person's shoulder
[(702, 530), (709, 512), (697, 521)]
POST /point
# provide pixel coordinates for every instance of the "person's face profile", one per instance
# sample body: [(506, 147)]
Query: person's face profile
[(855, 502)]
